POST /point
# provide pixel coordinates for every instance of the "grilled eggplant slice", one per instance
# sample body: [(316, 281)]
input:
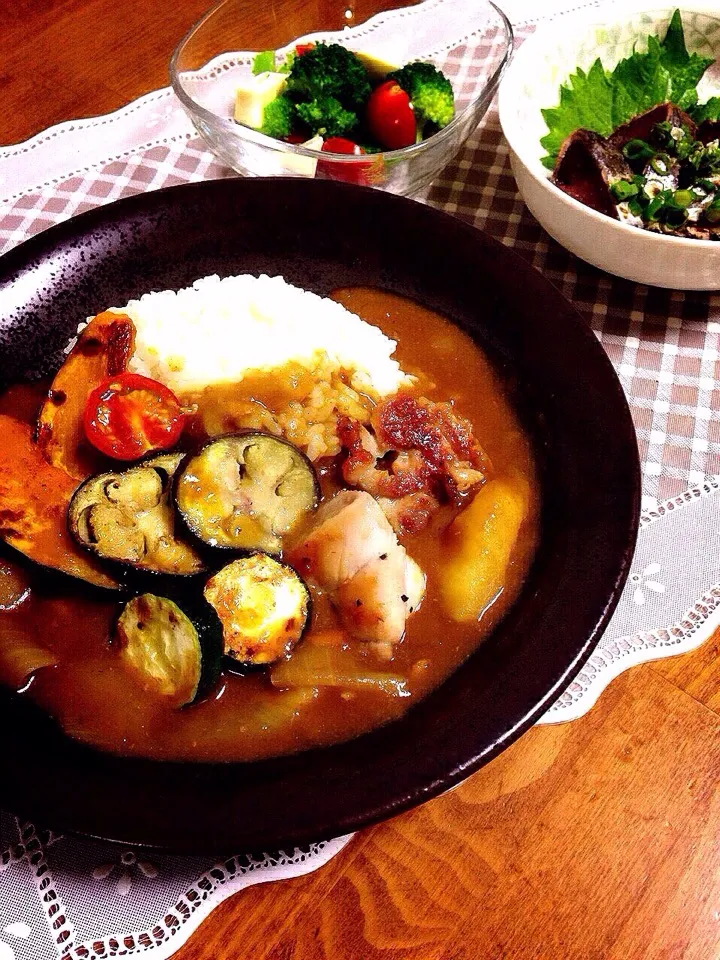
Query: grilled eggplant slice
[(173, 655), (128, 516), (246, 491), (263, 606)]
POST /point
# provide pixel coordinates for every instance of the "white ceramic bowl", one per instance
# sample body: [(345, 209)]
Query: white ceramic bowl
[(532, 82)]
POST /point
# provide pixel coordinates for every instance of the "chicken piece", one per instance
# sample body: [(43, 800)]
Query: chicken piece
[(415, 446), (353, 554), (377, 601), (349, 531)]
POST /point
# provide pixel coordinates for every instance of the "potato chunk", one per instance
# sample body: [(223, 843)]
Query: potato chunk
[(479, 545)]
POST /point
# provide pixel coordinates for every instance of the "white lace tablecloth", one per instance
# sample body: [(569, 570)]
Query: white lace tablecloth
[(61, 897)]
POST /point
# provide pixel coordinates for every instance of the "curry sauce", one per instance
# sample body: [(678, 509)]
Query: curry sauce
[(89, 692)]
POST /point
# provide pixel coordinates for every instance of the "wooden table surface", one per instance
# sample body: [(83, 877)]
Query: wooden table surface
[(592, 839)]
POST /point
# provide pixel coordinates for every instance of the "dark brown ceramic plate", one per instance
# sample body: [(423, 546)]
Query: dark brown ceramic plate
[(322, 235)]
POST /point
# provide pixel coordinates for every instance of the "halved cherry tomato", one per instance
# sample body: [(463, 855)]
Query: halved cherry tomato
[(336, 170), (390, 116), (341, 145), (128, 415)]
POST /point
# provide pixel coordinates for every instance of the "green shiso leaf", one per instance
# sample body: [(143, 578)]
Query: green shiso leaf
[(601, 101), (586, 102), (685, 69), (706, 111)]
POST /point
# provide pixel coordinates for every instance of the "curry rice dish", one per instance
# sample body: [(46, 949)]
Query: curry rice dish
[(280, 519)]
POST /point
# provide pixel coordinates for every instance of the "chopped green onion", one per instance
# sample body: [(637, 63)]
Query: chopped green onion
[(712, 214), (653, 210), (660, 164), (675, 216), (623, 190), (638, 150), (683, 198)]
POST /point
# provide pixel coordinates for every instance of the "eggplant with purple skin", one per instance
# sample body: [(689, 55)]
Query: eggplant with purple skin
[(128, 517), (246, 491)]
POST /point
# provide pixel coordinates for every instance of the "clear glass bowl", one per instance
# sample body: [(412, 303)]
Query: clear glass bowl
[(470, 40)]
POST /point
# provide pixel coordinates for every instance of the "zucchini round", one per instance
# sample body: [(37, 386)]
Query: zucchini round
[(172, 655), (246, 491), (263, 607), (128, 516)]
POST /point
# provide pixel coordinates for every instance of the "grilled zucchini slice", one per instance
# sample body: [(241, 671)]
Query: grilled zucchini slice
[(263, 606), (246, 491), (173, 655), (128, 516)]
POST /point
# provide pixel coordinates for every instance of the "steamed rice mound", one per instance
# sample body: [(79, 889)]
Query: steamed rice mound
[(226, 331), (218, 330)]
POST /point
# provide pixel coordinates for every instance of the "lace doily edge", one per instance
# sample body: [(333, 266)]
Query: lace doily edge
[(609, 669), (165, 939)]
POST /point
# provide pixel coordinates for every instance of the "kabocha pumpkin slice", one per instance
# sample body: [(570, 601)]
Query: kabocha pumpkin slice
[(263, 606), (103, 349), (128, 516), (246, 491), (34, 500)]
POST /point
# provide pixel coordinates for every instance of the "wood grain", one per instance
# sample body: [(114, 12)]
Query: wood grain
[(595, 840), (697, 673), (575, 843)]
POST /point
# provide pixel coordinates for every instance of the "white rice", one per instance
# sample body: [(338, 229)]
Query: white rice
[(218, 330)]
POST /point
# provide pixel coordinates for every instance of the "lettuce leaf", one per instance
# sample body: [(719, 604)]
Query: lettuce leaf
[(601, 100), (263, 62)]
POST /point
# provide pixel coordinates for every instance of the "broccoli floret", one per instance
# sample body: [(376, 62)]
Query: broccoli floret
[(329, 70), (429, 90), (327, 116), (278, 117)]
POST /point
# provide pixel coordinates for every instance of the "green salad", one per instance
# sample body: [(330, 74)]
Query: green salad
[(330, 98)]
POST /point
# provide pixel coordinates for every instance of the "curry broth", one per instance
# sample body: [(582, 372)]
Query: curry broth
[(97, 700)]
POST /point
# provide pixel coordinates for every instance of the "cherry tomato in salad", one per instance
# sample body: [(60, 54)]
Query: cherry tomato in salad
[(301, 48), (390, 116), (341, 145), (361, 173), (129, 415)]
